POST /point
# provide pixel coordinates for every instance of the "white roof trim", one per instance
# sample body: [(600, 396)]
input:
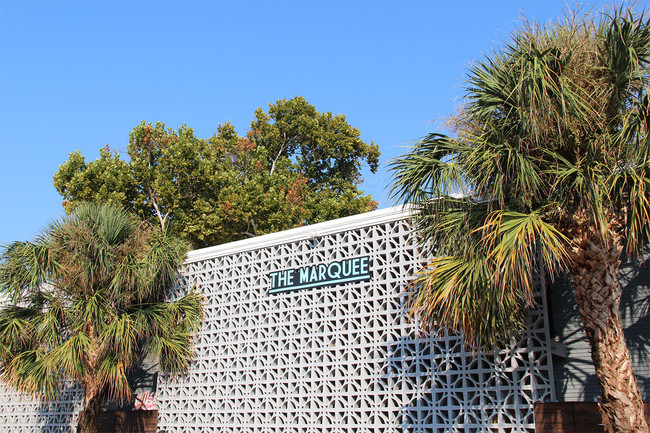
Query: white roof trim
[(305, 232)]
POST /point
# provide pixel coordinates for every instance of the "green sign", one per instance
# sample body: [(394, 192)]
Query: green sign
[(307, 277)]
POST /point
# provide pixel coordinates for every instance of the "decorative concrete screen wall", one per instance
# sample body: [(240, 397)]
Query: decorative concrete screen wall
[(21, 414), (341, 357)]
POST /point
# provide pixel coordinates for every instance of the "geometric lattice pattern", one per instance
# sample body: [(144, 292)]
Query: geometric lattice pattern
[(19, 413), (341, 358)]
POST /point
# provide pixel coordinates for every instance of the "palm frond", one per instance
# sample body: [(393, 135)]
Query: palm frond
[(17, 330), (173, 350), (448, 226), (429, 170), (71, 356), (625, 52), (501, 171), (31, 371), (462, 295), (151, 319), (190, 311), (24, 268), (112, 375), (581, 185), (169, 330), (92, 311), (50, 321), (120, 338), (519, 243), (629, 188), (164, 259)]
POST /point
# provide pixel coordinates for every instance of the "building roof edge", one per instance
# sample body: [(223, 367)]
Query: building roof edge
[(299, 233)]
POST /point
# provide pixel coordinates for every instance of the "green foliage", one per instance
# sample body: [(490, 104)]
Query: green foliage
[(295, 166), (88, 300), (328, 151), (106, 180), (551, 142)]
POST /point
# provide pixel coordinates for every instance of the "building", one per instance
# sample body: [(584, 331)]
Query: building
[(306, 331)]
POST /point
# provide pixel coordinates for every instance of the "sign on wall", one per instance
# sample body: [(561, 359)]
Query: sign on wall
[(307, 277)]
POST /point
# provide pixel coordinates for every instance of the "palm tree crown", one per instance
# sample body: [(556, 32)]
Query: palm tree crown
[(550, 166), (87, 301)]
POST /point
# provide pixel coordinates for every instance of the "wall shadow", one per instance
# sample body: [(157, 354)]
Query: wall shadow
[(447, 389), (60, 415)]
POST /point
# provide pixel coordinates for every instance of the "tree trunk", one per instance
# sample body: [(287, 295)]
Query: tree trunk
[(89, 415), (594, 275)]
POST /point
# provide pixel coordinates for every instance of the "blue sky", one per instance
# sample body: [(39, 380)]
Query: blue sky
[(81, 74)]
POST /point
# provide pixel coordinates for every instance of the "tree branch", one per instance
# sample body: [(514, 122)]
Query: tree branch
[(162, 218), (284, 142)]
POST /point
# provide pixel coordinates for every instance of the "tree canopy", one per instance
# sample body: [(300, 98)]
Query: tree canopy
[(87, 301), (549, 167), (295, 166)]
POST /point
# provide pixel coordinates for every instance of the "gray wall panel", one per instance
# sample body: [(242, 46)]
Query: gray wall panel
[(575, 378)]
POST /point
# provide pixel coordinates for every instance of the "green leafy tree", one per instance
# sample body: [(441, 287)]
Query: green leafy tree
[(327, 150), (550, 167), (107, 180), (295, 166), (86, 301)]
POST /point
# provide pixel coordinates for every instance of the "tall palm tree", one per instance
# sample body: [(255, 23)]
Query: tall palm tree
[(549, 166), (86, 301)]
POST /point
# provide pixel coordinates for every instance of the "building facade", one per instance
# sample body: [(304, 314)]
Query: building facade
[(306, 331), (284, 349)]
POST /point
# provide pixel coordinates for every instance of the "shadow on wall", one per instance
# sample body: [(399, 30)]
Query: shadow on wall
[(59, 415), (447, 389), (575, 378)]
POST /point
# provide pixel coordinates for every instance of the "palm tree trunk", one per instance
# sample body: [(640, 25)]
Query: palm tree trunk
[(594, 275), (89, 415)]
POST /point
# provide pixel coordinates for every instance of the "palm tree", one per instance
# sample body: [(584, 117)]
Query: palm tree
[(549, 165), (86, 301)]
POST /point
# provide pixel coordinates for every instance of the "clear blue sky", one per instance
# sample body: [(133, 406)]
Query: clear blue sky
[(81, 74)]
